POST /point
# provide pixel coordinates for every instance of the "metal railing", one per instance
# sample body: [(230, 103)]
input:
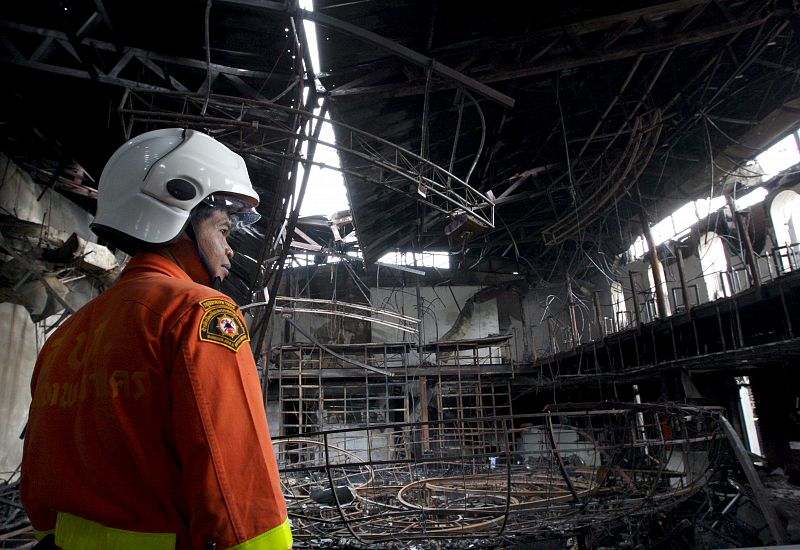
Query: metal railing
[(525, 475)]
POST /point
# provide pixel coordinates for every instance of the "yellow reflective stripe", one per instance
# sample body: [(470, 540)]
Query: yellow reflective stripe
[(42, 534), (73, 532), (278, 538)]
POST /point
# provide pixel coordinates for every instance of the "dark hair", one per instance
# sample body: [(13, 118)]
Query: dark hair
[(202, 212)]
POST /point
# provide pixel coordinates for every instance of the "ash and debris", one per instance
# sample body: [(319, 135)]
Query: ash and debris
[(15, 528), (704, 522), (501, 543), (695, 527), (786, 499)]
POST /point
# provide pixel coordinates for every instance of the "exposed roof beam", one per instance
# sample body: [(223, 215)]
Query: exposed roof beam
[(302, 44), (571, 62), (244, 88), (413, 56), (299, 232), (78, 50), (649, 46), (776, 124), (40, 61), (88, 24), (389, 45), (402, 268), (626, 19), (374, 75), (101, 10)]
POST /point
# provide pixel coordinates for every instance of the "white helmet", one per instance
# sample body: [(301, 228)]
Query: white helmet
[(150, 185)]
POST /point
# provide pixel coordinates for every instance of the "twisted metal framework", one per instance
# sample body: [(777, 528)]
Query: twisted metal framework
[(542, 474), (599, 197), (258, 123), (289, 305)]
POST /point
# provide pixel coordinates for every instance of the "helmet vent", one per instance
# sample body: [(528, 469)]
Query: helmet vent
[(181, 189)]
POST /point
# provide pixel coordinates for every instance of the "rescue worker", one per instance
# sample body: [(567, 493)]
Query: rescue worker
[(147, 428)]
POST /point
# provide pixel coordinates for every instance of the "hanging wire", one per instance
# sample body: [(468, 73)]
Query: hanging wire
[(483, 135)]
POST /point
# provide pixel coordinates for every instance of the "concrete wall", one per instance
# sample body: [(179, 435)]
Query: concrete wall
[(274, 410), (440, 311), (367, 446), (18, 350), (546, 327), (546, 313), (330, 282), (512, 320), (49, 220), (696, 286), (20, 197), (440, 314), (545, 310)]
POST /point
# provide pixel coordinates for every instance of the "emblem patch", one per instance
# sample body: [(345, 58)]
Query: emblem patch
[(222, 325), (228, 326)]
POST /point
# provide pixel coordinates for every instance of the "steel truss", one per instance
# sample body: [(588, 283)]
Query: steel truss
[(263, 123), (397, 168)]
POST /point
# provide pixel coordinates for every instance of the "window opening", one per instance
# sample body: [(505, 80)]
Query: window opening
[(714, 264), (619, 307), (785, 214), (652, 300), (767, 164), (429, 258), (749, 417)]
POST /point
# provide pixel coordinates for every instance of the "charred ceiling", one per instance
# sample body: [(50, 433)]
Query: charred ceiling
[(613, 108), (517, 135)]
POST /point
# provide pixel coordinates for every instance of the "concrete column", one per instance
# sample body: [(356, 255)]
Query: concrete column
[(682, 276), (747, 244), (636, 313), (655, 265)]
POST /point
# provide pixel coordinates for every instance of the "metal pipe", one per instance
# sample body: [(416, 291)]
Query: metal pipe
[(573, 321), (337, 355), (601, 329), (747, 244), (655, 266), (682, 275), (636, 313)]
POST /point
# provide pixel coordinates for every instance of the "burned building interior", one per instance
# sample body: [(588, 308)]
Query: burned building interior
[(558, 307)]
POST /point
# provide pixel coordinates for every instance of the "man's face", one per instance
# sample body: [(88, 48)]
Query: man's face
[(212, 237)]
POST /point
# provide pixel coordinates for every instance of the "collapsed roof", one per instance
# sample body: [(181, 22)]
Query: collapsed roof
[(516, 134)]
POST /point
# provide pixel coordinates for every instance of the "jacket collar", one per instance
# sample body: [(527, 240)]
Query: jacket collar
[(179, 258), (149, 263)]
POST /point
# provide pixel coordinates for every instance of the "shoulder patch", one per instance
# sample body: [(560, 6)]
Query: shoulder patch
[(221, 324)]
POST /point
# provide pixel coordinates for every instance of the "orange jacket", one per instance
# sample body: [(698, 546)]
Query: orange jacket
[(147, 416)]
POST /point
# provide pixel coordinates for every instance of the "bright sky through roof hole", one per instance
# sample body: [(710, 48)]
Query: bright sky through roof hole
[(325, 193), (778, 157)]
